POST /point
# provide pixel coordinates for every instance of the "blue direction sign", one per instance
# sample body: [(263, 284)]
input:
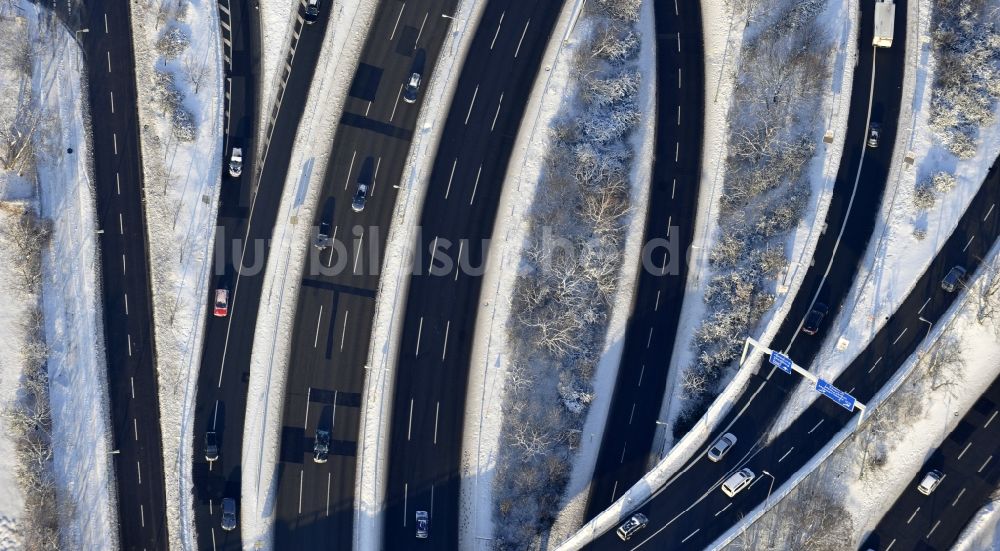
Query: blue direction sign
[(781, 361), (842, 398)]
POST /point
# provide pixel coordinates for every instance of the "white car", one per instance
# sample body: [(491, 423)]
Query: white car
[(635, 523), (423, 524), (236, 162), (722, 447), (738, 482), (930, 482)]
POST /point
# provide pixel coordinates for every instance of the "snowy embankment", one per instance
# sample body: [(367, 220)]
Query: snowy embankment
[(983, 531), (178, 71), (343, 41), (910, 228), (556, 99), (86, 500), (764, 194), (860, 473), (277, 22)]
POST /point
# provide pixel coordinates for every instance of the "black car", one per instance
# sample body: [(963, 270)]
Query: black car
[(874, 132), (211, 446), (360, 198), (412, 88), (312, 11), (811, 325), (322, 240), (321, 446)]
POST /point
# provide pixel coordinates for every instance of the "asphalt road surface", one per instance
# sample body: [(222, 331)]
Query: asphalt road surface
[(857, 194), (461, 203), (336, 303), (128, 321), (649, 341), (969, 458), (689, 512)]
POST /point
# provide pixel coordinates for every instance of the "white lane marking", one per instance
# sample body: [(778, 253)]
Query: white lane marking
[(109, 61), (343, 331), (333, 417), (350, 167), (985, 463), (900, 335), (691, 535), (123, 268), (305, 422), (215, 415), (118, 184), (112, 102), (369, 108), (476, 185), (624, 447), (213, 538), (131, 381), (461, 245), (138, 471), (130, 345), (421, 31), (677, 151), (673, 190), (678, 42), (114, 137), (675, 8), (444, 347), (409, 425), (142, 516), (649, 339), (420, 331), (728, 505), (499, 103), (378, 163), (447, 190), (965, 449), (126, 299), (357, 252), (614, 490), (528, 22), (656, 305), (121, 225), (786, 454), (678, 119), (678, 77), (990, 420), (333, 239), (496, 34), (969, 242), (319, 321), (921, 310), (401, 8), (891, 543), (396, 103), (328, 493), (641, 372), (631, 415), (933, 528), (874, 364), (135, 428), (471, 103), (301, 476), (406, 493), (437, 410), (960, 494), (816, 426), (105, 23), (915, 511), (989, 212)]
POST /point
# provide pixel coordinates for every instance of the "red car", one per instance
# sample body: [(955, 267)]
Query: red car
[(221, 303)]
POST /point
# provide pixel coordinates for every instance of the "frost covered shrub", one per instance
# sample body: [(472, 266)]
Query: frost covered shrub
[(943, 182), (563, 294), (773, 121), (172, 42), (168, 97), (924, 196), (966, 40)]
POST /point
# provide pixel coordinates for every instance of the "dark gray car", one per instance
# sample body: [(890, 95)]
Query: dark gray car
[(321, 446), (211, 446), (228, 514), (954, 279)]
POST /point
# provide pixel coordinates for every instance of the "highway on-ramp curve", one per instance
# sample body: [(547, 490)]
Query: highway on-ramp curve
[(128, 311), (969, 458), (652, 327), (690, 512), (850, 222), (459, 210), (336, 303)]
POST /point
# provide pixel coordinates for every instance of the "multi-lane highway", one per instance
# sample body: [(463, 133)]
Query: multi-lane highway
[(460, 206), (336, 304), (691, 512), (649, 341), (969, 458), (128, 312), (850, 221)]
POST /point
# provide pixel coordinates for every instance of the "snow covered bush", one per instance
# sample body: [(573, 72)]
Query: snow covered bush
[(568, 277), (924, 196), (966, 45), (173, 42), (774, 128), (169, 97)]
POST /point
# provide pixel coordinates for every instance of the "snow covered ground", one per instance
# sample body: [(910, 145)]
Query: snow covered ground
[(873, 465), (70, 294), (181, 170), (896, 257), (839, 20), (983, 532)]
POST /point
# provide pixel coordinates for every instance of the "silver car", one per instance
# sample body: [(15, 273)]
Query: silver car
[(635, 523), (722, 447), (423, 524)]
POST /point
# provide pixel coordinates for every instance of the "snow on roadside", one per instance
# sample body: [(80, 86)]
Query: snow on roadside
[(895, 261), (182, 178), (71, 303), (840, 20), (277, 20), (869, 470), (983, 531), (344, 40)]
